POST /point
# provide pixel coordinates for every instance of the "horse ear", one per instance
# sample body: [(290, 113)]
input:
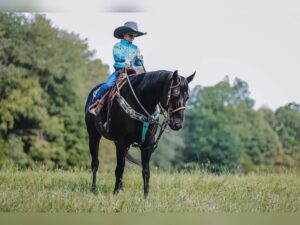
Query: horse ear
[(191, 77), (175, 75)]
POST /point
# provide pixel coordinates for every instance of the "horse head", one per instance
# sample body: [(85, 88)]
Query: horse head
[(175, 98)]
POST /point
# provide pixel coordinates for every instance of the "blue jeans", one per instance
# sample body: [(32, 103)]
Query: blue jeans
[(110, 82)]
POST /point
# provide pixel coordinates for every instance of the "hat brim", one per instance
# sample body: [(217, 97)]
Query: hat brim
[(120, 31)]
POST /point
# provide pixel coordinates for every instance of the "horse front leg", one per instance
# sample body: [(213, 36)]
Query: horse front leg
[(121, 151), (146, 154)]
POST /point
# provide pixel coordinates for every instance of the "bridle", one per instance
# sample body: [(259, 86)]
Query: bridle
[(173, 91)]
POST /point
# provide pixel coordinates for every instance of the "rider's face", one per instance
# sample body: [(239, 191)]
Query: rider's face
[(129, 37)]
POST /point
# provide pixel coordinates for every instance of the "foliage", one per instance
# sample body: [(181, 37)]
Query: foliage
[(45, 75), (223, 128)]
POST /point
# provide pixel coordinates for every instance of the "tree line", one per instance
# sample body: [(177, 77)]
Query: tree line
[(223, 132), (46, 73)]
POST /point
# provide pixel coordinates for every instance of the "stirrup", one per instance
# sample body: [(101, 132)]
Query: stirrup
[(93, 111), (96, 107), (93, 105)]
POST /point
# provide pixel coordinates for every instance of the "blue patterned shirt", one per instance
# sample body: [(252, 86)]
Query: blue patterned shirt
[(126, 50)]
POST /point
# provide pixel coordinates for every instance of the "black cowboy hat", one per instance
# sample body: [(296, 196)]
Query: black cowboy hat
[(129, 27)]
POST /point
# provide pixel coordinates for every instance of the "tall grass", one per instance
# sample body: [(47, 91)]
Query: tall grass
[(41, 190)]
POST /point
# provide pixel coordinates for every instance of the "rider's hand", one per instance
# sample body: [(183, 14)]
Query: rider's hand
[(127, 63), (139, 57)]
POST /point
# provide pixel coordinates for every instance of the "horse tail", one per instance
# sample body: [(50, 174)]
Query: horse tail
[(132, 159)]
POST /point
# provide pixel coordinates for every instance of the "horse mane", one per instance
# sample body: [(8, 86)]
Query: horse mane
[(143, 81)]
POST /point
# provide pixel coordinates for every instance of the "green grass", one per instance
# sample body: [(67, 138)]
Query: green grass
[(60, 191)]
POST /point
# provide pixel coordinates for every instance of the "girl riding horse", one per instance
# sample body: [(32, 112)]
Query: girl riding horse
[(126, 55)]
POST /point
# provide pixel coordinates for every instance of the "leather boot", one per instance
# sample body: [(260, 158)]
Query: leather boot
[(96, 107)]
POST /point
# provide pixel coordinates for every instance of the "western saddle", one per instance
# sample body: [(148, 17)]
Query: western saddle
[(96, 107)]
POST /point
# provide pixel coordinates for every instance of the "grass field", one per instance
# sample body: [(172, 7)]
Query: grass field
[(60, 191)]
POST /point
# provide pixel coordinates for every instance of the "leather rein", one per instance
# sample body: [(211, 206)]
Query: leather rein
[(174, 90)]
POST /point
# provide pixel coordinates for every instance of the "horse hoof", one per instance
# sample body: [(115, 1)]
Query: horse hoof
[(117, 190), (93, 188)]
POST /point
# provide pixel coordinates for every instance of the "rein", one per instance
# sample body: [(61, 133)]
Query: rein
[(136, 98), (150, 119)]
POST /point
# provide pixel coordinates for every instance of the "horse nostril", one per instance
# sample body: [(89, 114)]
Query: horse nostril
[(177, 125)]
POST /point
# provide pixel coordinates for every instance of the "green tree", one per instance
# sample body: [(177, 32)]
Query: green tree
[(209, 128), (45, 75), (223, 128), (288, 130)]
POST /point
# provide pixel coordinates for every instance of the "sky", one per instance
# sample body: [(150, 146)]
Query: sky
[(258, 42)]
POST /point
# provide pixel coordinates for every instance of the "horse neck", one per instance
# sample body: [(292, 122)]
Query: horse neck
[(153, 89)]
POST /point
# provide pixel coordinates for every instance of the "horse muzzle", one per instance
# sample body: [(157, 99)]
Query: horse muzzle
[(175, 125)]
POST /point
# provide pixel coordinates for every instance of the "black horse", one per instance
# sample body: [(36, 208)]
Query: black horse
[(166, 88)]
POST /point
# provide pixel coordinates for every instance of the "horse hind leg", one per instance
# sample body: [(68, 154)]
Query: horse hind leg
[(94, 148)]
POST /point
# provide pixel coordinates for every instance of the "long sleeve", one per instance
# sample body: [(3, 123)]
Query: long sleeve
[(119, 57), (139, 62)]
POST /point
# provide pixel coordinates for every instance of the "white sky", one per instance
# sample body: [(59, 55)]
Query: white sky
[(255, 43)]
